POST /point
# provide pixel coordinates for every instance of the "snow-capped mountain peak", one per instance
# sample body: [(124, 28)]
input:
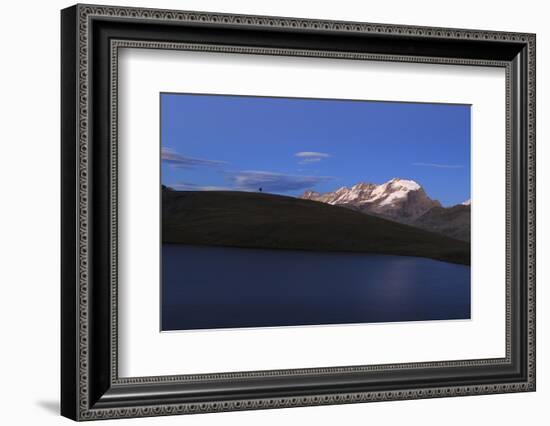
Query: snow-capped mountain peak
[(399, 199), (398, 189), (410, 185), (467, 202)]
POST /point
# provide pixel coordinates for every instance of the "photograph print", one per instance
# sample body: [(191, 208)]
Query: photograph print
[(280, 211)]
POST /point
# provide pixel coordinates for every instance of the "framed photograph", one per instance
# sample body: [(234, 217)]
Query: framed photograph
[(263, 212)]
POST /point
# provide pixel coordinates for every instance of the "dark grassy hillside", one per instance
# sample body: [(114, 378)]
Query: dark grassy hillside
[(255, 220)]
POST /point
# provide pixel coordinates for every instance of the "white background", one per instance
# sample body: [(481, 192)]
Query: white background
[(146, 352), (29, 223)]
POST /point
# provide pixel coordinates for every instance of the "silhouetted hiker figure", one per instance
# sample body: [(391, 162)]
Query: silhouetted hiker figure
[(260, 189)]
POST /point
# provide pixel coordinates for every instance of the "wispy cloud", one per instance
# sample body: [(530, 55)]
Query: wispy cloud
[(187, 186), (440, 166), (175, 159), (311, 156), (251, 180)]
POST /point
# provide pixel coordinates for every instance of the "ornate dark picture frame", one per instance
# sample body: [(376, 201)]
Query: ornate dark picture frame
[(91, 387)]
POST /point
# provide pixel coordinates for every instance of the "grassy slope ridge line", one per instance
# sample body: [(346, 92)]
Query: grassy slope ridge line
[(256, 220)]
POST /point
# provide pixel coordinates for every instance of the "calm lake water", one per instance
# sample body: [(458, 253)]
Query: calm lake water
[(212, 287)]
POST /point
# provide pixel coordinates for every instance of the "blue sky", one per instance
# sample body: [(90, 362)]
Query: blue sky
[(289, 145)]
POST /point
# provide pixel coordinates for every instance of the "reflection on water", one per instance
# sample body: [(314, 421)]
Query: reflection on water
[(214, 287)]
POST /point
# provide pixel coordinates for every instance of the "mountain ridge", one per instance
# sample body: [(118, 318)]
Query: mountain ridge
[(401, 200)]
